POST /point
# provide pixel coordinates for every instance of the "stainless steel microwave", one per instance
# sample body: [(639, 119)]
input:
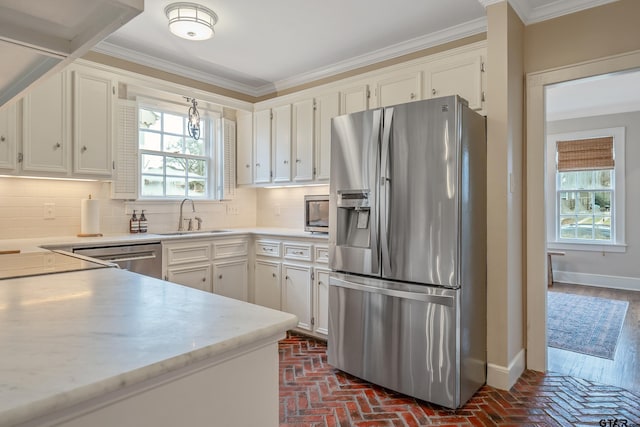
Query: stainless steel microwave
[(316, 214)]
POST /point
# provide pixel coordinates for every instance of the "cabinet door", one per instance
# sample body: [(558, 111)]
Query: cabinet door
[(321, 301), (296, 293), (267, 284), (327, 107), (456, 76), (244, 159), (46, 139), (8, 142), (354, 99), (282, 143), (196, 276), (398, 89), (92, 123), (230, 279), (303, 140), (262, 146)]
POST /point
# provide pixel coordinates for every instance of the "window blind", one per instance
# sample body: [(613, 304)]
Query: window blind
[(585, 154)]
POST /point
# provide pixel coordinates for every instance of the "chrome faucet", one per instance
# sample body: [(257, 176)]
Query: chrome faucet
[(193, 206)]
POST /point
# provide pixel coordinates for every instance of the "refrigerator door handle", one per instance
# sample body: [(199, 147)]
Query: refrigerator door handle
[(385, 191), (373, 177)]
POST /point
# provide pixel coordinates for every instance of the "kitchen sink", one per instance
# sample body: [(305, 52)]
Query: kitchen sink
[(192, 233)]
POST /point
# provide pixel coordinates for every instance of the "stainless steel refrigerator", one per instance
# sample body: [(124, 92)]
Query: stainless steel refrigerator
[(407, 246)]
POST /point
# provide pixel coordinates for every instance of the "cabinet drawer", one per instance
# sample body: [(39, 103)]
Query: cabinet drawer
[(188, 253), (229, 248), (267, 248), (299, 251), (321, 254)]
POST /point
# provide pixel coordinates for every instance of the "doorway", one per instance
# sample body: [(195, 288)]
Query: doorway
[(536, 227)]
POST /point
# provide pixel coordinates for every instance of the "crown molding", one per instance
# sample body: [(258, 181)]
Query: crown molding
[(457, 32), (552, 10), (486, 3), (450, 34), (171, 67)]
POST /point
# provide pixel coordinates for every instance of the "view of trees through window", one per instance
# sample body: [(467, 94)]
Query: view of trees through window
[(172, 163), (585, 204)]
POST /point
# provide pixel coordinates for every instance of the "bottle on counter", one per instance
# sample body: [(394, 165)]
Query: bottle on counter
[(134, 223), (142, 227)]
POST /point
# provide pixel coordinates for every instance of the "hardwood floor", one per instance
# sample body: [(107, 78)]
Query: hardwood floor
[(624, 370)]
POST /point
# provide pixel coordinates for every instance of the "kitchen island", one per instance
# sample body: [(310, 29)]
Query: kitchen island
[(109, 347)]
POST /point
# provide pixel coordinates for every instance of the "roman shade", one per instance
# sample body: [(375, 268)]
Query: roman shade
[(585, 154)]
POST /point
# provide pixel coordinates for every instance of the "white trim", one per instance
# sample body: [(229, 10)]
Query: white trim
[(587, 247), (599, 280), (552, 10), (456, 32), (487, 3), (504, 378)]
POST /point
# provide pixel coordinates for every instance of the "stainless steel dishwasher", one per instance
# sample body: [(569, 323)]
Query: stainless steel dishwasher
[(143, 258)]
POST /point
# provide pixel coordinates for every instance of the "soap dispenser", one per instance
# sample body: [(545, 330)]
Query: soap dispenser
[(142, 223), (134, 223)]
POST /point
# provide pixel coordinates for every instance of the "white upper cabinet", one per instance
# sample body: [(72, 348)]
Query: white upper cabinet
[(458, 75), (244, 144), (327, 107), (8, 139), (354, 99), (303, 133), (93, 95), (398, 88), (262, 146), (281, 139), (46, 127)]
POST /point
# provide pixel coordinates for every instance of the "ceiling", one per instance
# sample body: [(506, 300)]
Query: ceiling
[(263, 46)]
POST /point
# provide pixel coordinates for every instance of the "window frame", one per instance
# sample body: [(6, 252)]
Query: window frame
[(212, 151), (618, 241)]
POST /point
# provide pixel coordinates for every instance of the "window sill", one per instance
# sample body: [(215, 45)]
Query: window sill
[(588, 247)]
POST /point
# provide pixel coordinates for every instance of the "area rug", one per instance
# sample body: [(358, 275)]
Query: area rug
[(584, 324)]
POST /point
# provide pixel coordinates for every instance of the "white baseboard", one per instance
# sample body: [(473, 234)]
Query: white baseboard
[(504, 378), (614, 282)]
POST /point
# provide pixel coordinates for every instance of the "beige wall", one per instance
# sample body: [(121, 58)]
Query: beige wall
[(593, 33), (505, 321), (283, 207)]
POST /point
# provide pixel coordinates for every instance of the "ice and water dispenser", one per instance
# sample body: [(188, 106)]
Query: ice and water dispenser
[(354, 218)]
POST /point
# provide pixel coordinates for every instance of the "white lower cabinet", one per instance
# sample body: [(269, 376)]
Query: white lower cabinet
[(196, 276), (320, 320), (267, 284), (230, 279), (220, 266), (296, 293)]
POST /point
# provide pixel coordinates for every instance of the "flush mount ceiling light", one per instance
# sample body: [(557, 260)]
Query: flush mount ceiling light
[(191, 21)]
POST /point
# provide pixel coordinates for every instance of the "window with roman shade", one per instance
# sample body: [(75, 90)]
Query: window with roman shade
[(586, 181)]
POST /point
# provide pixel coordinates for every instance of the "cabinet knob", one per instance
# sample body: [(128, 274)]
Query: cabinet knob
[(57, 145), (2, 138), (433, 91), (298, 161), (84, 148), (204, 279), (286, 277), (413, 95), (274, 274), (220, 276), (247, 166), (257, 165), (285, 161)]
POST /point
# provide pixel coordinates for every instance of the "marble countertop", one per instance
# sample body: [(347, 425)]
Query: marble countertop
[(37, 244), (70, 337)]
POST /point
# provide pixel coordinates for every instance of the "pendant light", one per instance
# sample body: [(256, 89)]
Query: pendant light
[(191, 21), (193, 124)]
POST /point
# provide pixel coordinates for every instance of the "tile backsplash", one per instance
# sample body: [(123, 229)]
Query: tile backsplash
[(23, 200), (22, 209)]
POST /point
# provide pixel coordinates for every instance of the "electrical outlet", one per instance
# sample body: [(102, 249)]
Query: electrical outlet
[(232, 209), (49, 211), (276, 210)]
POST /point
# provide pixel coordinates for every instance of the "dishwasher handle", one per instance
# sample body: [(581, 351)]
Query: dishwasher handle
[(128, 257), (446, 300)]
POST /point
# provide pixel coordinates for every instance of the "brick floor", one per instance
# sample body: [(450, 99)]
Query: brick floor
[(312, 393)]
